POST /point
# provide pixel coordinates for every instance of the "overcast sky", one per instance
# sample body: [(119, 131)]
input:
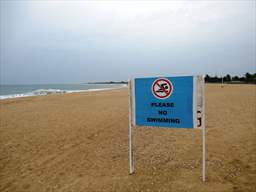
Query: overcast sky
[(80, 41)]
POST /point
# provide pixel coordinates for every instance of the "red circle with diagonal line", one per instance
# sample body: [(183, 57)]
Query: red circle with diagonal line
[(162, 88)]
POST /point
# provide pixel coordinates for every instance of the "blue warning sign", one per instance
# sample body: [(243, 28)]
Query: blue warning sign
[(164, 102)]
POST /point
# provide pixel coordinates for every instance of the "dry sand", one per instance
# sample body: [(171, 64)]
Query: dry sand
[(78, 142)]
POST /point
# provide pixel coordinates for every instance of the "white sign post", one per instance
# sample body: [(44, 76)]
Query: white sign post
[(177, 95), (203, 131), (131, 162)]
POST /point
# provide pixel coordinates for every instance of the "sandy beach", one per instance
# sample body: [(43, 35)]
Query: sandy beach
[(79, 142)]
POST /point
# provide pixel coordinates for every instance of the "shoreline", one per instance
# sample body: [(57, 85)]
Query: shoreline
[(54, 92)]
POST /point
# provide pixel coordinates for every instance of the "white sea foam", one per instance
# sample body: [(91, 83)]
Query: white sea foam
[(41, 92), (34, 93)]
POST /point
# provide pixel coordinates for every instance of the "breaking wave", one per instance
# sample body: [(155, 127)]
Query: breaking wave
[(41, 92)]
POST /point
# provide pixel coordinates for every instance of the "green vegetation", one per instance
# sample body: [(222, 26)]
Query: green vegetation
[(247, 78)]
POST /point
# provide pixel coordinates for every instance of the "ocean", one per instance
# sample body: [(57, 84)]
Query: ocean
[(14, 91)]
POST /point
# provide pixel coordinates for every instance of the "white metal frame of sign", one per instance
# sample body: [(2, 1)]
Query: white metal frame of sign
[(198, 113)]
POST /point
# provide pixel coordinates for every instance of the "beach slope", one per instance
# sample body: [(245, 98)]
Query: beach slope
[(79, 142)]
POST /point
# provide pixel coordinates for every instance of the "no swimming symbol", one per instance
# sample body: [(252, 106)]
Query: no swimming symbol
[(162, 88)]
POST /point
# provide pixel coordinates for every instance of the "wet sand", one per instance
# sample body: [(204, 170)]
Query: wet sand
[(79, 142)]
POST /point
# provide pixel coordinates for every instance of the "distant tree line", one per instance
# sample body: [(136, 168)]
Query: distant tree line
[(109, 82), (247, 78)]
